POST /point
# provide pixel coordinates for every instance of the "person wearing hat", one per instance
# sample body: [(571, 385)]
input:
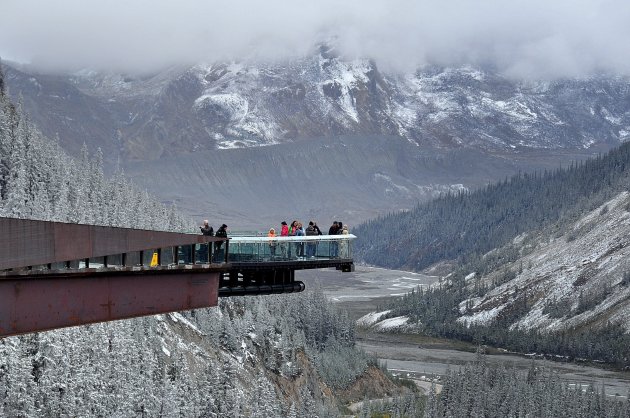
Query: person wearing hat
[(221, 233)]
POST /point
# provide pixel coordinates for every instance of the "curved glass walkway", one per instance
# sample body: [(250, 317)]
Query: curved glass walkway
[(265, 249)]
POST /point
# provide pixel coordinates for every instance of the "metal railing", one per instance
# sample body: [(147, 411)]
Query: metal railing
[(239, 249)]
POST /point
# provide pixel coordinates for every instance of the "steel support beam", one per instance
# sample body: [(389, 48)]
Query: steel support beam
[(47, 302)]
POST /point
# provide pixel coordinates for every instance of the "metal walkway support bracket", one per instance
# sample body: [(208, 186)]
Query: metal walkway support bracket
[(47, 302)]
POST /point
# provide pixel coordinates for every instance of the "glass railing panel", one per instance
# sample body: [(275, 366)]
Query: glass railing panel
[(185, 254), (147, 257), (202, 253), (241, 251), (114, 260), (260, 249), (343, 248), (167, 257), (39, 267), (58, 266), (97, 262), (132, 259)]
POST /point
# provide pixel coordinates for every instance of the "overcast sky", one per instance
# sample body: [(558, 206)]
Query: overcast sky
[(523, 38)]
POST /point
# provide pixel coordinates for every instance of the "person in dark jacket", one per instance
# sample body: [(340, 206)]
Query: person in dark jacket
[(334, 246), (202, 252), (221, 233), (334, 228), (206, 229), (311, 231)]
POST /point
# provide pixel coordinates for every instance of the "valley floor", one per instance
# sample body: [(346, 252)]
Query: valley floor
[(421, 358)]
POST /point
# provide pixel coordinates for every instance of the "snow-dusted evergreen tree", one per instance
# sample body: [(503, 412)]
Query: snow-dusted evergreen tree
[(482, 390), (16, 380), (39, 181)]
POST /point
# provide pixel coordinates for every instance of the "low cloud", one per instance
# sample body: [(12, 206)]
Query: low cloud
[(530, 39)]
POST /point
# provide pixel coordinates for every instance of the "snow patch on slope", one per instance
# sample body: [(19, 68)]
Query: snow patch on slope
[(588, 261), (371, 318), (391, 323)]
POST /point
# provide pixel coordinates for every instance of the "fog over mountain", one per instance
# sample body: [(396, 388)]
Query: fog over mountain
[(530, 39), (370, 106)]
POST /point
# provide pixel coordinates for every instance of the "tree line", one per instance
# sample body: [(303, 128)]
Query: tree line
[(476, 229)]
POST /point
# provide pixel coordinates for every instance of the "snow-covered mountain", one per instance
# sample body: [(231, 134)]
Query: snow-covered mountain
[(464, 127), (235, 105)]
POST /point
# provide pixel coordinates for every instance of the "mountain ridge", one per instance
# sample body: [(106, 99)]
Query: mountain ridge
[(174, 119), (243, 104)]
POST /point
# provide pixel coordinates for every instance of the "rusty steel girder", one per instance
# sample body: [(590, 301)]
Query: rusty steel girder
[(44, 302), (26, 243)]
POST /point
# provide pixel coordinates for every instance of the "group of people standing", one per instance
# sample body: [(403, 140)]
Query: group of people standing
[(207, 230), (293, 249), (304, 249)]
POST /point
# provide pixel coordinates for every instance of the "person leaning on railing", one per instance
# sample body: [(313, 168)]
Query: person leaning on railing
[(206, 229), (334, 248), (299, 232), (221, 233), (202, 252)]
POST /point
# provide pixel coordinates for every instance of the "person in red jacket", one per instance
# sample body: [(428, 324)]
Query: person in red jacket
[(284, 232)]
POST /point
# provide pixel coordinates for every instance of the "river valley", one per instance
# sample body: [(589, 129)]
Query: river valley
[(418, 357)]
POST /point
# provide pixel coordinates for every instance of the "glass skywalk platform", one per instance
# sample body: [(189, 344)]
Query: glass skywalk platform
[(54, 275)]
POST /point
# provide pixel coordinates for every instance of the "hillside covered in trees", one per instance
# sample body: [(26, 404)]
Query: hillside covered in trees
[(38, 180), (458, 226), (539, 262)]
